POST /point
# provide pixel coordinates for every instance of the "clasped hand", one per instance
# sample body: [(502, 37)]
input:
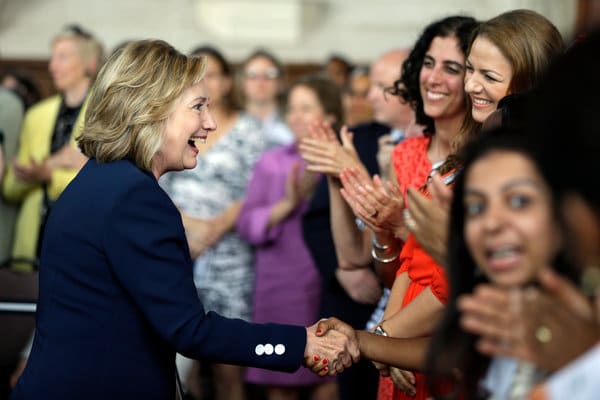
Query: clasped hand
[(35, 171), (331, 347)]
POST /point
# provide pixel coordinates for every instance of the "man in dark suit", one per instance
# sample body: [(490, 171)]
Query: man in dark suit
[(117, 298)]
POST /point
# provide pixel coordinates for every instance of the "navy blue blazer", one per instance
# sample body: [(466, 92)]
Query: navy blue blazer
[(117, 298)]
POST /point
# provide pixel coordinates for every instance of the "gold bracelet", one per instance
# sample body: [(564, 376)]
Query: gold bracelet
[(383, 260)]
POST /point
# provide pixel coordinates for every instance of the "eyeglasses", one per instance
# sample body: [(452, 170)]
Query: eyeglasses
[(268, 75)]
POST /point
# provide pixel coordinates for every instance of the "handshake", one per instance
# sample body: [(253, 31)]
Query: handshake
[(331, 347)]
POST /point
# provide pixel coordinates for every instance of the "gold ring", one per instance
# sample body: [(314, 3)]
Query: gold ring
[(543, 334)]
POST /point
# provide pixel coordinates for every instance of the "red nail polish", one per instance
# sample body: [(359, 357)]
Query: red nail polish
[(324, 361), (316, 358), (319, 331), (325, 369)]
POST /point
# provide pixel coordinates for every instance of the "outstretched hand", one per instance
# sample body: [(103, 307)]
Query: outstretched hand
[(331, 347)]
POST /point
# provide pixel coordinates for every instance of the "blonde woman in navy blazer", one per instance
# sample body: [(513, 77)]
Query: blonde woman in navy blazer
[(117, 298)]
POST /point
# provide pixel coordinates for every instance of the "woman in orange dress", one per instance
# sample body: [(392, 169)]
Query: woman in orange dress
[(433, 81)]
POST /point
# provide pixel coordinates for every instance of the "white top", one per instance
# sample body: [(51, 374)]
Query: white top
[(510, 379), (579, 380)]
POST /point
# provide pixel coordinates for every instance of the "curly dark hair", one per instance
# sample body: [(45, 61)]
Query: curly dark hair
[(459, 26)]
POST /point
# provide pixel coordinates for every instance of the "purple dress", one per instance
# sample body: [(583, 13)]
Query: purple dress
[(287, 282)]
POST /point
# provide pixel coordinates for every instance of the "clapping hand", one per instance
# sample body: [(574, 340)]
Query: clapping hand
[(325, 154), (300, 185), (331, 347), (379, 205), (427, 219), (548, 326)]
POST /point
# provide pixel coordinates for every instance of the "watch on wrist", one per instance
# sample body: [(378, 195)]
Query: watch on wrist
[(379, 331)]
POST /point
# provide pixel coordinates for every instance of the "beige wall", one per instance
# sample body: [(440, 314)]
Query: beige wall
[(296, 30)]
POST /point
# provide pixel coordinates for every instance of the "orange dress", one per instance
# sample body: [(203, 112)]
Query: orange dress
[(422, 270)]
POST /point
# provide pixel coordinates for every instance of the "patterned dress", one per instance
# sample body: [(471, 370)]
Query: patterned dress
[(224, 274)]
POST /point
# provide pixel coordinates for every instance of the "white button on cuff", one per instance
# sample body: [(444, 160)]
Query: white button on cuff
[(268, 349), (279, 349), (259, 350)]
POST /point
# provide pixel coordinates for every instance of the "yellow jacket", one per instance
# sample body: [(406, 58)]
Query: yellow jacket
[(35, 138)]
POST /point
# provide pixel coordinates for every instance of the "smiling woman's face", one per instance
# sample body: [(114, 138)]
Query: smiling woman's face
[(189, 123), (442, 79), (510, 229), (487, 79), (303, 109)]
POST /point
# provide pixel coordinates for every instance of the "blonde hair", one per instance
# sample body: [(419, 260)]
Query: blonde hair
[(89, 48), (132, 99)]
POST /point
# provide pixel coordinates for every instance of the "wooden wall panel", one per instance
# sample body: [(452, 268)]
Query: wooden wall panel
[(38, 71)]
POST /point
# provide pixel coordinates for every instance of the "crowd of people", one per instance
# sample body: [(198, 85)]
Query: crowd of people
[(426, 227)]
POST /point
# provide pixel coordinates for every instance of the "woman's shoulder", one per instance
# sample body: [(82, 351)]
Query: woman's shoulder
[(107, 188), (117, 175)]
